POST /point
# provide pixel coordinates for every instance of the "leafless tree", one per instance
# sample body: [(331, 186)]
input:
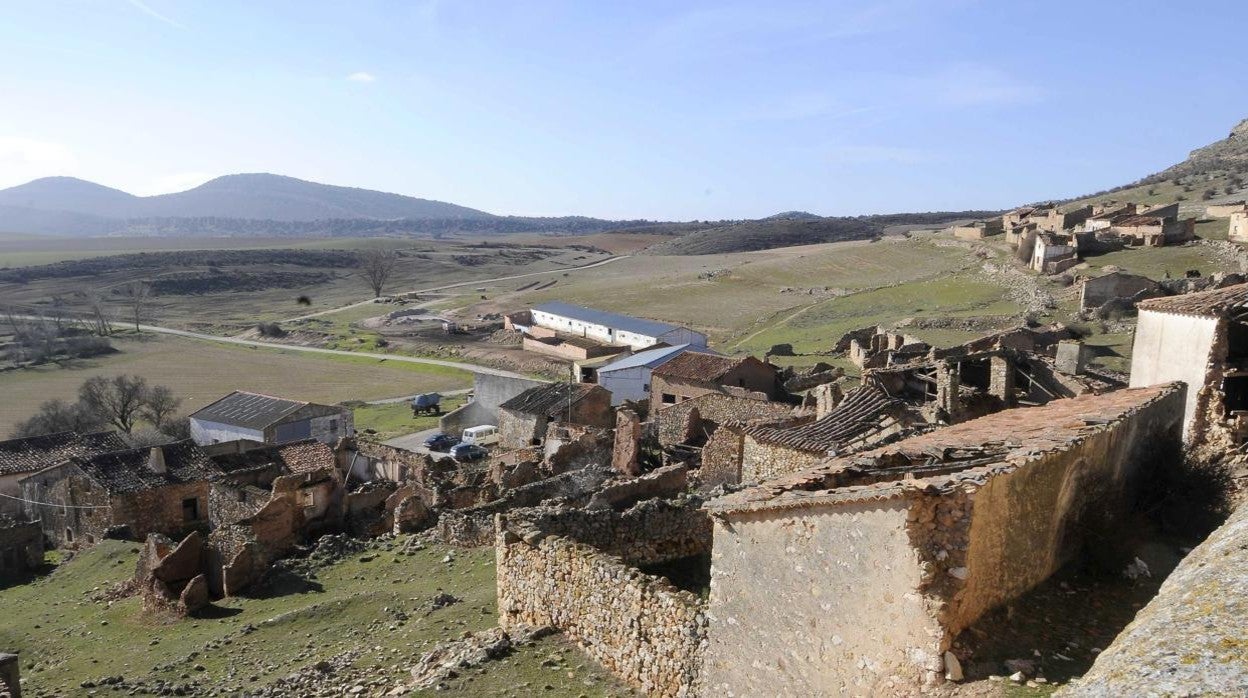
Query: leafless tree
[(97, 320), (118, 400), (376, 266), (58, 415), (159, 404), (137, 295)]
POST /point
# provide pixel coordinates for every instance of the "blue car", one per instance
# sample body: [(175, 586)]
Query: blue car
[(468, 452), (440, 442)]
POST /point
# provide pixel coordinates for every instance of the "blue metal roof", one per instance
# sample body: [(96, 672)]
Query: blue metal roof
[(647, 328), (649, 358)]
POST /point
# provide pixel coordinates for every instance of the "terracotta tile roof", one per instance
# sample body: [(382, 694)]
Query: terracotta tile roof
[(128, 471), (307, 456), (1134, 221), (862, 412), (1215, 303), (550, 399), (948, 457), (38, 452), (697, 366)]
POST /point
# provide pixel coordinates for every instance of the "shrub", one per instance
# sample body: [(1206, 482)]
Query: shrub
[(270, 329)]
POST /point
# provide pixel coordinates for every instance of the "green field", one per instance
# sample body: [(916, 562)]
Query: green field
[(395, 419), (66, 633), (200, 372)]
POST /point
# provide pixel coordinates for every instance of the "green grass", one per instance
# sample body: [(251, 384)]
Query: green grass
[(1156, 262), (65, 637), (395, 419)]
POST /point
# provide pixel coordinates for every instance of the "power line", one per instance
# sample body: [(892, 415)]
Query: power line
[(62, 506)]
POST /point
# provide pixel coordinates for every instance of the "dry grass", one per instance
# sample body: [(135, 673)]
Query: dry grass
[(200, 372)]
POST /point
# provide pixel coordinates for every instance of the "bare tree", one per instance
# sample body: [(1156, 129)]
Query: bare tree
[(117, 400), (159, 404), (57, 415), (376, 266), (137, 294), (97, 321)]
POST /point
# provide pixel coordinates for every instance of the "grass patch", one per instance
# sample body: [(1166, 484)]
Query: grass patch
[(395, 419)]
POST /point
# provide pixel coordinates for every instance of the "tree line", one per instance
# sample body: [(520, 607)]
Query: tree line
[(123, 402)]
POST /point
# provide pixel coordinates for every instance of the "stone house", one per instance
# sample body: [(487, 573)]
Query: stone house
[(1103, 217), (1238, 230), (1054, 253), (243, 416), (1226, 210), (978, 230), (1098, 291), (904, 547), (21, 547), (248, 476), (21, 457), (163, 489), (1200, 339), (1052, 220), (628, 378), (523, 420), (694, 373)]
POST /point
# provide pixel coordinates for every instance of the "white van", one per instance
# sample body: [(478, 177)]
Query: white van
[(483, 435)]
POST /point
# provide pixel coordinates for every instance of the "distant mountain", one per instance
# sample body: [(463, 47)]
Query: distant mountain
[(242, 196), (793, 216)]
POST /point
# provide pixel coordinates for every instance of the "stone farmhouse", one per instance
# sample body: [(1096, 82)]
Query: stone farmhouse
[(523, 420), (903, 547), (601, 326), (1095, 292), (692, 374), (629, 378), (1053, 253), (162, 489), (1202, 340), (22, 457), (244, 416), (977, 230), (1226, 210)]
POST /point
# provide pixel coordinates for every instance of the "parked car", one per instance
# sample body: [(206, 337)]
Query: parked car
[(468, 452), (481, 435), (440, 442)]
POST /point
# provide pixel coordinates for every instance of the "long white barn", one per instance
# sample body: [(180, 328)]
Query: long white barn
[(612, 328)]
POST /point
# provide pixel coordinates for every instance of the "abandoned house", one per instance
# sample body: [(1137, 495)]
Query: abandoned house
[(162, 489), (1225, 209), (1200, 339), (629, 378), (1238, 230), (601, 326), (243, 416), (1054, 253), (904, 547), (1050, 219), (21, 457), (21, 547), (1154, 227), (1115, 286), (977, 230), (873, 347), (696, 373), (522, 420), (1104, 216)]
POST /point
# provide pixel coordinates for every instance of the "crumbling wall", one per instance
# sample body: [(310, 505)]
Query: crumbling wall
[(722, 458), (474, 526), (229, 502), (21, 547), (626, 453), (760, 461), (703, 414), (1189, 640), (637, 626), (1171, 347), (573, 446), (159, 510)]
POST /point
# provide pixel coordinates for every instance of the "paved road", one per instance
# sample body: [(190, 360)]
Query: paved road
[(412, 442), (461, 284)]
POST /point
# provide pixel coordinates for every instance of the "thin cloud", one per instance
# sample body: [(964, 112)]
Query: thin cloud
[(362, 76), (147, 10)]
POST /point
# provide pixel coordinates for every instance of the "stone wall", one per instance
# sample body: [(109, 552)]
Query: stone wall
[(474, 526), (761, 462), (1189, 640), (651, 532), (21, 547), (636, 625), (88, 515), (228, 502), (701, 415), (519, 429)]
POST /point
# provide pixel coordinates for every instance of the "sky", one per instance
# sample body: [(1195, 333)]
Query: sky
[(660, 110)]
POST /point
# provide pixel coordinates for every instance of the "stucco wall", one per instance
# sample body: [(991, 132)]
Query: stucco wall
[(1173, 348), (488, 392), (204, 432), (820, 602)]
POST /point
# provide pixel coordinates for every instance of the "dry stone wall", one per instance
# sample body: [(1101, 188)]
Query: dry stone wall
[(637, 626)]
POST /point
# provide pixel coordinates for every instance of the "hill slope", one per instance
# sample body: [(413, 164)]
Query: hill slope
[(246, 196)]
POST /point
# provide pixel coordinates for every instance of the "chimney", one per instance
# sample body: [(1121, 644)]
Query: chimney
[(156, 460)]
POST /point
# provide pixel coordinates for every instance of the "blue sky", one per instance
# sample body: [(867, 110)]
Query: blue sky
[(642, 109)]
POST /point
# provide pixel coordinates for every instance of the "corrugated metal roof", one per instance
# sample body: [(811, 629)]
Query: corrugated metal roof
[(248, 410), (650, 358), (647, 328), (38, 452)]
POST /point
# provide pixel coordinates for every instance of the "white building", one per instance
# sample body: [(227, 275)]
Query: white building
[(629, 378), (611, 328), (271, 420)]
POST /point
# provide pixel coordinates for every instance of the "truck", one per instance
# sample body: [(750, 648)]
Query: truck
[(427, 403)]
